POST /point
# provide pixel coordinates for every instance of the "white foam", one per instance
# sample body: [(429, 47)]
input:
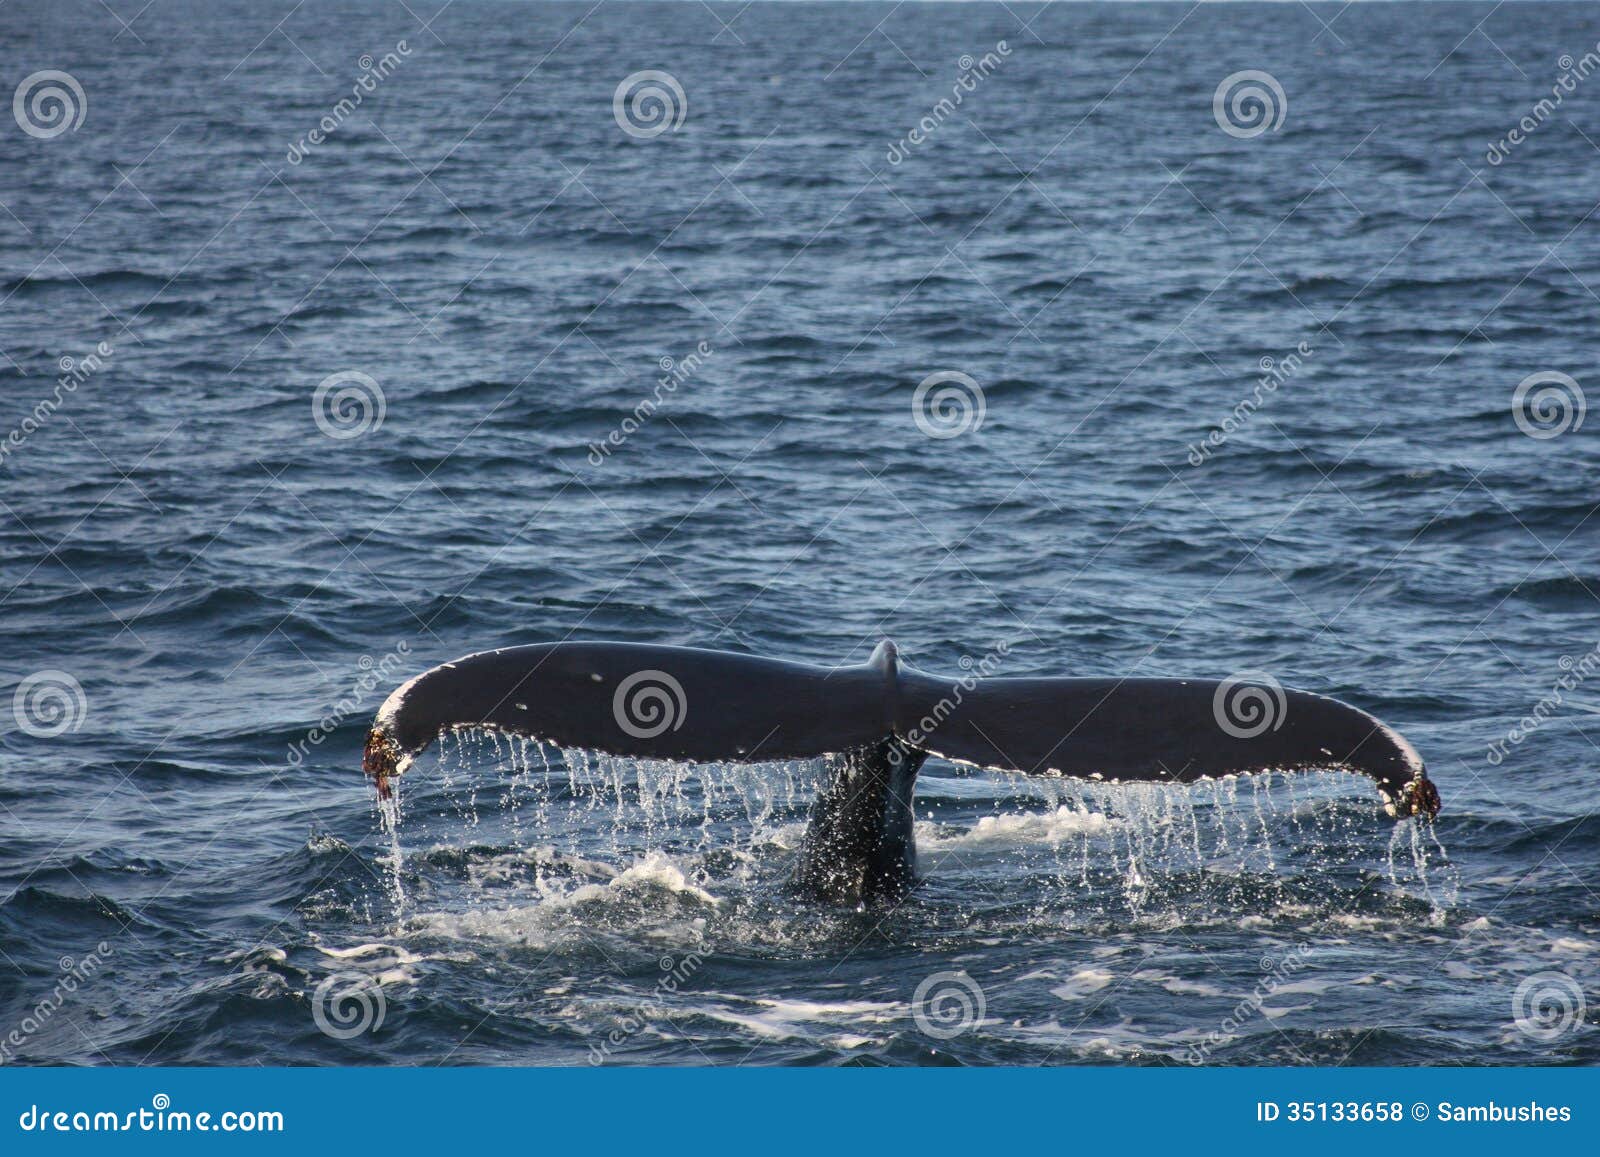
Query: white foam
[(1052, 827), (362, 951), (1357, 923), (654, 871), (1274, 1013), (1114, 1043), (799, 1019), (557, 904), (1082, 983), (794, 1010), (1177, 985), (1310, 987), (510, 866)]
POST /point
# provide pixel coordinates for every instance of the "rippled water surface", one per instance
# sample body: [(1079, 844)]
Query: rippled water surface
[(214, 573)]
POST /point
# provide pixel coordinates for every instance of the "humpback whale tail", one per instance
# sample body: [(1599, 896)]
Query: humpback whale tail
[(882, 720)]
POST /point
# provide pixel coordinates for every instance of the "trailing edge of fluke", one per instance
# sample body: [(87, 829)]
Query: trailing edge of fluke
[(882, 719)]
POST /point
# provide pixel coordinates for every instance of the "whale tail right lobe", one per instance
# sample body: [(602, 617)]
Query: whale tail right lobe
[(1174, 731)]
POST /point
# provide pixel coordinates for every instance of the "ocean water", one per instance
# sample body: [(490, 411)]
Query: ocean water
[(1251, 381)]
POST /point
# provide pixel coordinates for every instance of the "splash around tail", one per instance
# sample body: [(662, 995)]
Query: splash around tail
[(880, 721)]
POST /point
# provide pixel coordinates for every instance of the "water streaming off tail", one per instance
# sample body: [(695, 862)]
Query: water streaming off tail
[(624, 805), (508, 837), (505, 819), (1156, 842)]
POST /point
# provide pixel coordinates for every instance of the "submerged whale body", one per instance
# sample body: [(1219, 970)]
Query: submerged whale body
[(880, 721)]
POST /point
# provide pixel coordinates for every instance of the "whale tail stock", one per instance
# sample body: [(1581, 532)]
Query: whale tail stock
[(882, 720)]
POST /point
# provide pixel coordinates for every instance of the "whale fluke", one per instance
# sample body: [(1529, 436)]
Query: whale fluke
[(882, 720)]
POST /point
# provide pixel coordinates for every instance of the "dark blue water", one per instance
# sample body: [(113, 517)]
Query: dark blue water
[(197, 573)]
